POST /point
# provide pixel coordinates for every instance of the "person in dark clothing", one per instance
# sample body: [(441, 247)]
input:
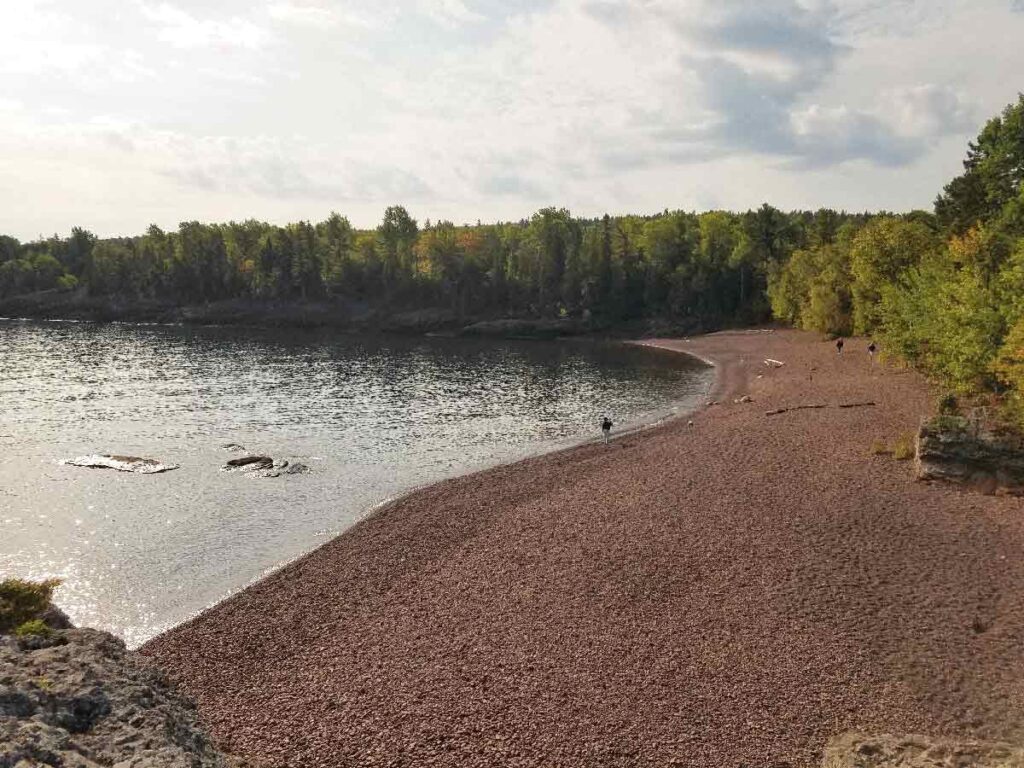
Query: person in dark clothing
[(871, 351), (606, 428), (839, 346)]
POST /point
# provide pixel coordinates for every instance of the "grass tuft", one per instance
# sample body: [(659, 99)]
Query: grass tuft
[(879, 448), (903, 448)]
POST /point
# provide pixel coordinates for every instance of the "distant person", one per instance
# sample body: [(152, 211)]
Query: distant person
[(871, 351), (606, 428), (839, 346)]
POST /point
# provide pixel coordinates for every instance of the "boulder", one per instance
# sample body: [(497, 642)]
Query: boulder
[(950, 449), (87, 702), (251, 462), (857, 750)]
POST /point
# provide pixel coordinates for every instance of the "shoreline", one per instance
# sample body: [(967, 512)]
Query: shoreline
[(591, 605), (654, 420)]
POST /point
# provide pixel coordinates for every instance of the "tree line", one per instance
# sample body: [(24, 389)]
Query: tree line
[(698, 270), (943, 290)]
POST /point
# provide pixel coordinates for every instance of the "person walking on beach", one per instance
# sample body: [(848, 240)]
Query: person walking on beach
[(839, 345), (606, 428)]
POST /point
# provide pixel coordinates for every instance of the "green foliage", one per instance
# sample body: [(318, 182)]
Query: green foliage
[(880, 255), (993, 172), (22, 601), (702, 270), (33, 628)]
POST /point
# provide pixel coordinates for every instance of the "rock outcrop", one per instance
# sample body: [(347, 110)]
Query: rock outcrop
[(856, 750), (949, 449), (76, 699)]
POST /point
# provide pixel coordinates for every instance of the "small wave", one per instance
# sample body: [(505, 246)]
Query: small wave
[(134, 464)]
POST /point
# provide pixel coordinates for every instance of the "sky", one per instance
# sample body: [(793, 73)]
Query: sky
[(117, 114)]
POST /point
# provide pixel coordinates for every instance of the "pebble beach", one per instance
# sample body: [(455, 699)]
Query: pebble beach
[(728, 592)]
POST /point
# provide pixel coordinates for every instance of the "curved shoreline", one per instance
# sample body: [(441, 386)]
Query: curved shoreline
[(732, 593)]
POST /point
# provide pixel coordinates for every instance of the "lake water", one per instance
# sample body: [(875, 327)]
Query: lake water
[(371, 418)]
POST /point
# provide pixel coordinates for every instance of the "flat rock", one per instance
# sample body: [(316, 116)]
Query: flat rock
[(134, 464)]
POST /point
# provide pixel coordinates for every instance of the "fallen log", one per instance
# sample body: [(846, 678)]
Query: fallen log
[(857, 405), (777, 411)]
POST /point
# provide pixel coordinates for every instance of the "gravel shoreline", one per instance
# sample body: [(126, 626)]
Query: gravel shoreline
[(728, 594)]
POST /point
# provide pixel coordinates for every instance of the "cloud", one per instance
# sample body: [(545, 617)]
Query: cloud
[(448, 12), (318, 15), (183, 30)]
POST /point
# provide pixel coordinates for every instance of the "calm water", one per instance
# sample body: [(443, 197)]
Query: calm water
[(371, 417)]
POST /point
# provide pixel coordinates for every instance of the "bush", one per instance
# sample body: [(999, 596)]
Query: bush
[(22, 601), (33, 628), (948, 405)]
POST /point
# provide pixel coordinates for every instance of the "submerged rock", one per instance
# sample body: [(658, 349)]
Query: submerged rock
[(84, 701), (297, 469), (134, 464), (233, 447)]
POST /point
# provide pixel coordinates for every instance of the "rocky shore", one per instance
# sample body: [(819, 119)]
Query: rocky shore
[(76, 699), (732, 589)]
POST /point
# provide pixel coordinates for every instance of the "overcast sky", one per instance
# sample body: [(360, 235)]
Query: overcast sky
[(115, 114)]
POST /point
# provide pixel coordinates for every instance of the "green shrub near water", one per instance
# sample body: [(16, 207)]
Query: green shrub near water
[(23, 602), (33, 628)]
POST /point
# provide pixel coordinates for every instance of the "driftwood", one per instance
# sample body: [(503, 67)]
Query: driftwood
[(773, 363), (777, 411)]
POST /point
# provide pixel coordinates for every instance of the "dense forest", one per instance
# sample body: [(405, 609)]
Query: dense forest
[(701, 271), (944, 292)]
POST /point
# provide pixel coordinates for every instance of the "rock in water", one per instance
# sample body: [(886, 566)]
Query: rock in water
[(251, 463), (81, 700), (233, 447), (297, 469), (134, 464)]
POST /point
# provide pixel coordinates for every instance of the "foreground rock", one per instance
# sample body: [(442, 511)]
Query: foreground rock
[(948, 448), (855, 750), (77, 698), (134, 464)]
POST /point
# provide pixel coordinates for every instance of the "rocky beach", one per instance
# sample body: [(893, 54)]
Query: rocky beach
[(734, 588)]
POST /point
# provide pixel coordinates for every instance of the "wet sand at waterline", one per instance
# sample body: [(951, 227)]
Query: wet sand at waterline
[(723, 594)]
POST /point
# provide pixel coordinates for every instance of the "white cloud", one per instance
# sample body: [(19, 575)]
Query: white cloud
[(183, 30), (448, 12), (471, 109)]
